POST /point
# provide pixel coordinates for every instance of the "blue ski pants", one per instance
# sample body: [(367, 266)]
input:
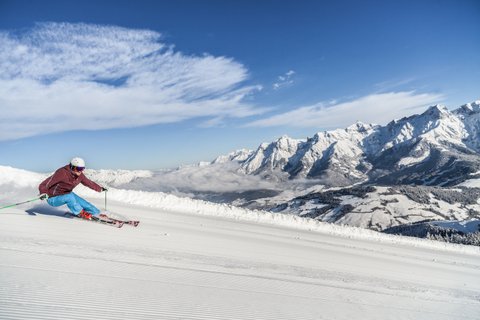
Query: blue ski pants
[(74, 203)]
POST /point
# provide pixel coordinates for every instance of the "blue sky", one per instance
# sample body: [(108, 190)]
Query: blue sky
[(157, 84)]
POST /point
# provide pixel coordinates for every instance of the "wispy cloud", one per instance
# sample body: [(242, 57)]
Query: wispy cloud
[(393, 84), (284, 80), (59, 77), (375, 108)]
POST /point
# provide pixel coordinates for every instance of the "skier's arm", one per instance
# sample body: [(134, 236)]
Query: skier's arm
[(50, 181), (89, 183)]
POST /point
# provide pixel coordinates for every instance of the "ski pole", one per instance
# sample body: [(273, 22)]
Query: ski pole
[(106, 200), (16, 204)]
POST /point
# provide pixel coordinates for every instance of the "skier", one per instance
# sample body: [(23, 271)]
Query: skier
[(57, 189)]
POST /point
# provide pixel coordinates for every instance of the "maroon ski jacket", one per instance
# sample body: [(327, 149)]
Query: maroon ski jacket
[(63, 181)]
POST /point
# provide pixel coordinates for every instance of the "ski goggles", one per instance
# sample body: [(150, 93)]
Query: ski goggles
[(78, 169)]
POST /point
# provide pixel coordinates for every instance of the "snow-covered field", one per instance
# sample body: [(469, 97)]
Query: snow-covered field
[(195, 260)]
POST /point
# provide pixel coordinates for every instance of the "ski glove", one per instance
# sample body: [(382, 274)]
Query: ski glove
[(43, 196), (104, 189)]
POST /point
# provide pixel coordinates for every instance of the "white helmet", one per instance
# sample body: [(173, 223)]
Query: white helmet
[(78, 162)]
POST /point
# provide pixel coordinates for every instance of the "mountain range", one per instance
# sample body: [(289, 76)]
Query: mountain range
[(437, 147), (415, 170)]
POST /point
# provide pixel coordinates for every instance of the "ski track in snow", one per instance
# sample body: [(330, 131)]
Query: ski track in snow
[(189, 266)]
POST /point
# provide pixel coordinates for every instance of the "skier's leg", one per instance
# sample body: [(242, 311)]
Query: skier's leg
[(90, 208), (68, 199)]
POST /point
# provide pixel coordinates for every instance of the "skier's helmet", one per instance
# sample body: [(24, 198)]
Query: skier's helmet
[(77, 163)]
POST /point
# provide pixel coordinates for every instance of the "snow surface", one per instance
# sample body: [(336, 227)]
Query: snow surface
[(470, 183), (191, 259)]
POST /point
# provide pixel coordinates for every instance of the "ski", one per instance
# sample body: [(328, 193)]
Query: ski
[(133, 223), (110, 222), (113, 223)]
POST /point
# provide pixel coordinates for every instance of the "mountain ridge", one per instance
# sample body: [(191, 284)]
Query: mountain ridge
[(379, 154)]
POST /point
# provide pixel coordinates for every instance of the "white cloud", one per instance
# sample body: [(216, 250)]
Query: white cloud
[(375, 108), (213, 122), (284, 80), (217, 178), (59, 77), (393, 84)]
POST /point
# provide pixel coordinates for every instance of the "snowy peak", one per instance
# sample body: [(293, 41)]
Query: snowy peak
[(336, 150), (468, 109), (469, 114), (238, 155), (287, 144), (269, 157), (434, 117), (436, 111), (437, 125), (361, 127), (364, 152)]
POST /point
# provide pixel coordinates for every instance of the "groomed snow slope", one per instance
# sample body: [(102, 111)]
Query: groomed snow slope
[(195, 266), (196, 260)]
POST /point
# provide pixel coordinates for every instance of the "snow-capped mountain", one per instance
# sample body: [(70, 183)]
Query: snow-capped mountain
[(469, 114), (410, 171), (238, 155), (437, 147)]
